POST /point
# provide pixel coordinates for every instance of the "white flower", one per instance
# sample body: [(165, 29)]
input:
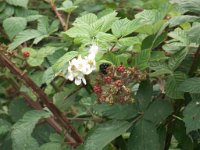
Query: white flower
[(81, 65), (78, 67), (93, 51), (91, 61)]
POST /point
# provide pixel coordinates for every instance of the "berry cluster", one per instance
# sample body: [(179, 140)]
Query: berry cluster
[(113, 84)]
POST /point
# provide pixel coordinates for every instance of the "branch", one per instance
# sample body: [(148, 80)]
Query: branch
[(37, 106), (195, 63), (62, 21), (29, 83)]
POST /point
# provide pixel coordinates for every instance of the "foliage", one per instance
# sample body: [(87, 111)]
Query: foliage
[(137, 63)]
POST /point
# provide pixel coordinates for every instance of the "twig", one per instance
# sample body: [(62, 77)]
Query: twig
[(72, 93), (112, 48), (40, 94), (37, 106), (67, 22), (62, 21)]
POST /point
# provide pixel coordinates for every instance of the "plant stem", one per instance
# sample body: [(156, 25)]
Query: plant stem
[(62, 21), (29, 83), (67, 22)]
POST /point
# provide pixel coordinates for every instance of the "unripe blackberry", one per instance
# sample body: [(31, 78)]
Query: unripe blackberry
[(26, 54), (97, 89), (121, 69), (107, 79), (118, 83)]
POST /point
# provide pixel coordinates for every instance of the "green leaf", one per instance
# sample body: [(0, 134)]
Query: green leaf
[(21, 3), (177, 59), (105, 37), (2, 6), (123, 27), (7, 12), (191, 5), (179, 35), (144, 137), (51, 146), (5, 127), (158, 111), (22, 130), (17, 109), (54, 26), (172, 86), (36, 57), (142, 59), (43, 25), (148, 16), (67, 6), (61, 64), (155, 65), (23, 37), (177, 20), (77, 32), (63, 100), (128, 41), (104, 23), (117, 59), (46, 51), (105, 133), (160, 72), (117, 111), (48, 75), (144, 94), (191, 85), (14, 25), (184, 140), (193, 35), (158, 56), (86, 19), (152, 41), (192, 116)]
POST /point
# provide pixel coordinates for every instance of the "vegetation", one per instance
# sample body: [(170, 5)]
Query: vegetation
[(99, 75)]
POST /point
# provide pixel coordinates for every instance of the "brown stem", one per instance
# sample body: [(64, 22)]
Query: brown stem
[(195, 63), (112, 48), (62, 21), (37, 106), (29, 83), (67, 22), (72, 93)]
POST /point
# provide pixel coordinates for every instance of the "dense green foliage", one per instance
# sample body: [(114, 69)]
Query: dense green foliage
[(138, 82)]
